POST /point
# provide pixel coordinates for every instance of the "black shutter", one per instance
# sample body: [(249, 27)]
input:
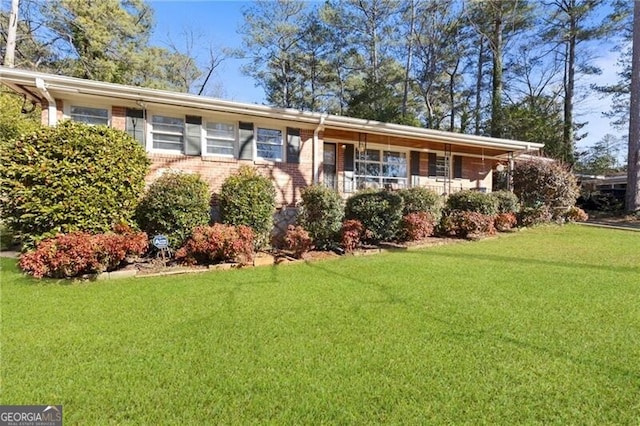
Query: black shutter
[(457, 167), (134, 124), (293, 145), (193, 134), (433, 167), (348, 158), (246, 141), (415, 163)]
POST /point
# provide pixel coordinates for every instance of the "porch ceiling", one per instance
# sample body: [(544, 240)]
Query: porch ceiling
[(422, 144)]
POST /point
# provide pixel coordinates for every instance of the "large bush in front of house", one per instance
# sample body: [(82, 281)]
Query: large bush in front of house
[(321, 213), (472, 201), (380, 212), (248, 198), (174, 205), (545, 183), (72, 177), (419, 199), (13, 122)]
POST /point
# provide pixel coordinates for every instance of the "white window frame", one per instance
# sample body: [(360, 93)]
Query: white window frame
[(233, 140), (152, 132), (256, 131), (403, 181), (70, 107)]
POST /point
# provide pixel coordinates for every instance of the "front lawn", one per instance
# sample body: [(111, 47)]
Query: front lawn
[(541, 326)]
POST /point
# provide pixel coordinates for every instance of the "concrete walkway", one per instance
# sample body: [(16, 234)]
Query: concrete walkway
[(625, 226)]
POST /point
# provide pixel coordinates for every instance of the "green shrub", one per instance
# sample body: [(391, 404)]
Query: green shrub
[(174, 205), (13, 122), (248, 198), (472, 201), (547, 183), (70, 177), (321, 213), (533, 216), (420, 199), (379, 211), (6, 237), (507, 201)]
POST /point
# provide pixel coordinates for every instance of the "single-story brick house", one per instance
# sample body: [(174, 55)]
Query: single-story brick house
[(294, 148)]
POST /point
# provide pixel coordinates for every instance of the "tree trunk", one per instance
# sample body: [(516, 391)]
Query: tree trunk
[(407, 70), (570, 71), (633, 168), (478, 114), (496, 93), (10, 52)]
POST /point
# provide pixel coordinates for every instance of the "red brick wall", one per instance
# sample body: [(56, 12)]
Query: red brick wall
[(288, 179), (44, 116), (118, 120)]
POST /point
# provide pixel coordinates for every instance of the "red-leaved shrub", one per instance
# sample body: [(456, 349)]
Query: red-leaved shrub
[(297, 240), (351, 234), (417, 226), (505, 221), (78, 253), (466, 224), (218, 243), (575, 214)]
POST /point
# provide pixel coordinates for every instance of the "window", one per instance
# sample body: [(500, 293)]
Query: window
[(134, 124), (90, 115), (269, 144), (375, 168), (168, 133), (329, 166), (221, 138), (438, 165)]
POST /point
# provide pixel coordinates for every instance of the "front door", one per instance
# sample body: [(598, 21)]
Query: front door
[(329, 166)]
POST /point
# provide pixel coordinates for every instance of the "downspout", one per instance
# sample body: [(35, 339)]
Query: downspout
[(52, 109), (316, 142)]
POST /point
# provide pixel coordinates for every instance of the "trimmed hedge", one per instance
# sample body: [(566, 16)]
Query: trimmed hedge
[(379, 211), (472, 201), (506, 201), (419, 199), (72, 177), (174, 205), (248, 198), (321, 213)]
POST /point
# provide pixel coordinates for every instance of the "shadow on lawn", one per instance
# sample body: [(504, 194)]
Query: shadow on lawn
[(535, 262), (456, 331)]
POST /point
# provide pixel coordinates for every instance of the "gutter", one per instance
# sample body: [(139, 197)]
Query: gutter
[(315, 146), (51, 102)]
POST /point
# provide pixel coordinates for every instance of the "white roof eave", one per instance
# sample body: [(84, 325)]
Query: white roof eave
[(69, 85)]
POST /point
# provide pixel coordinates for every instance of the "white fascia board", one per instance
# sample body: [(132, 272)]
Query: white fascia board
[(73, 85)]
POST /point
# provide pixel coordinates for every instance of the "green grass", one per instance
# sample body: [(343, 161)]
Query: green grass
[(542, 326)]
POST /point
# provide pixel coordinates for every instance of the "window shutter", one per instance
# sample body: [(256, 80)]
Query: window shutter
[(193, 131), (433, 167), (457, 167), (134, 124), (293, 145), (348, 158), (415, 163), (246, 141)]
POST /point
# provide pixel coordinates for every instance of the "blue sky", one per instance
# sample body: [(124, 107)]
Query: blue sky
[(218, 22)]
